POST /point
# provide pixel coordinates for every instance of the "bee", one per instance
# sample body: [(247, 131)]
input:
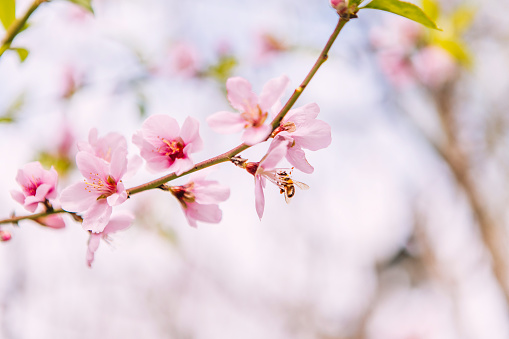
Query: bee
[(287, 185)]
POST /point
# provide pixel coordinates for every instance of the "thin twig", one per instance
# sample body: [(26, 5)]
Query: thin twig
[(17, 26)]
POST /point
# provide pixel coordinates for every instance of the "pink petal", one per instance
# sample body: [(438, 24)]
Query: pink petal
[(31, 206), (158, 164), (297, 158), (272, 92), (190, 134), (210, 192), (18, 196), (118, 222), (117, 198), (226, 122), (205, 213), (181, 165), (302, 114), (253, 136), (89, 165), (274, 155), (93, 245), (97, 216), (160, 126), (240, 94), (314, 135), (42, 192), (259, 197), (77, 198), (118, 165)]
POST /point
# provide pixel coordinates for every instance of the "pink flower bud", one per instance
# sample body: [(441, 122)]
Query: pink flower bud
[(5, 236)]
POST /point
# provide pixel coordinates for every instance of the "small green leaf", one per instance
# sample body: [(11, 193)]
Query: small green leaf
[(223, 69), (86, 4), (7, 12), (22, 53), (458, 50), (462, 18), (404, 9), (12, 111)]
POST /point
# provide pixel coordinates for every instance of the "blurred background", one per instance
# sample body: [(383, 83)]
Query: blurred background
[(402, 235)]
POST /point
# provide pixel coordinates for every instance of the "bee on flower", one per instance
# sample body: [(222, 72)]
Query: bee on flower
[(266, 170)]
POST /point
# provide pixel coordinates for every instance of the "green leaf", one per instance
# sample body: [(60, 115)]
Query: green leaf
[(7, 12), (12, 111), (462, 18), (223, 69), (86, 4), (458, 50), (431, 8), (356, 2), (404, 9), (22, 53)]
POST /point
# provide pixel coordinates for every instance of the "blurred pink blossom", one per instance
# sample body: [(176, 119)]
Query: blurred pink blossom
[(182, 59), (268, 46), (434, 66), (199, 199), (254, 109), (37, 185), (118, 222), (300, 129), (397, 67), (102, 188), (167, 147)]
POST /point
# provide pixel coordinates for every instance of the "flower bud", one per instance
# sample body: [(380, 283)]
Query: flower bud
[(5, 236), (339, 5)]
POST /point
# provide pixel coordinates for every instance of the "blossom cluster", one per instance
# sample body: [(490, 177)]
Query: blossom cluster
[(165, 146)]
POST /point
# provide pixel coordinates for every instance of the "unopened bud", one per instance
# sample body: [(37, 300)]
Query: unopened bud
[(5, 236)]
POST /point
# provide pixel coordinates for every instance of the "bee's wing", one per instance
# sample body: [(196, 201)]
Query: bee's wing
[(287, 198), (301, 185)]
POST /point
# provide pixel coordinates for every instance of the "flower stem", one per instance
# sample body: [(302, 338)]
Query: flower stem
[(17, 26), (14, 220), (275, 123)]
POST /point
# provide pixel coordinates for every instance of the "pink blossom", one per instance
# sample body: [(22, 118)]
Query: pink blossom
[(266, 169), (103, 188), (165, 146), (254, 109), (103, 148), (397, 67), (5, 235), (199, 199), (300, 129), (184, 58), (118, 222), (37, 185)]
